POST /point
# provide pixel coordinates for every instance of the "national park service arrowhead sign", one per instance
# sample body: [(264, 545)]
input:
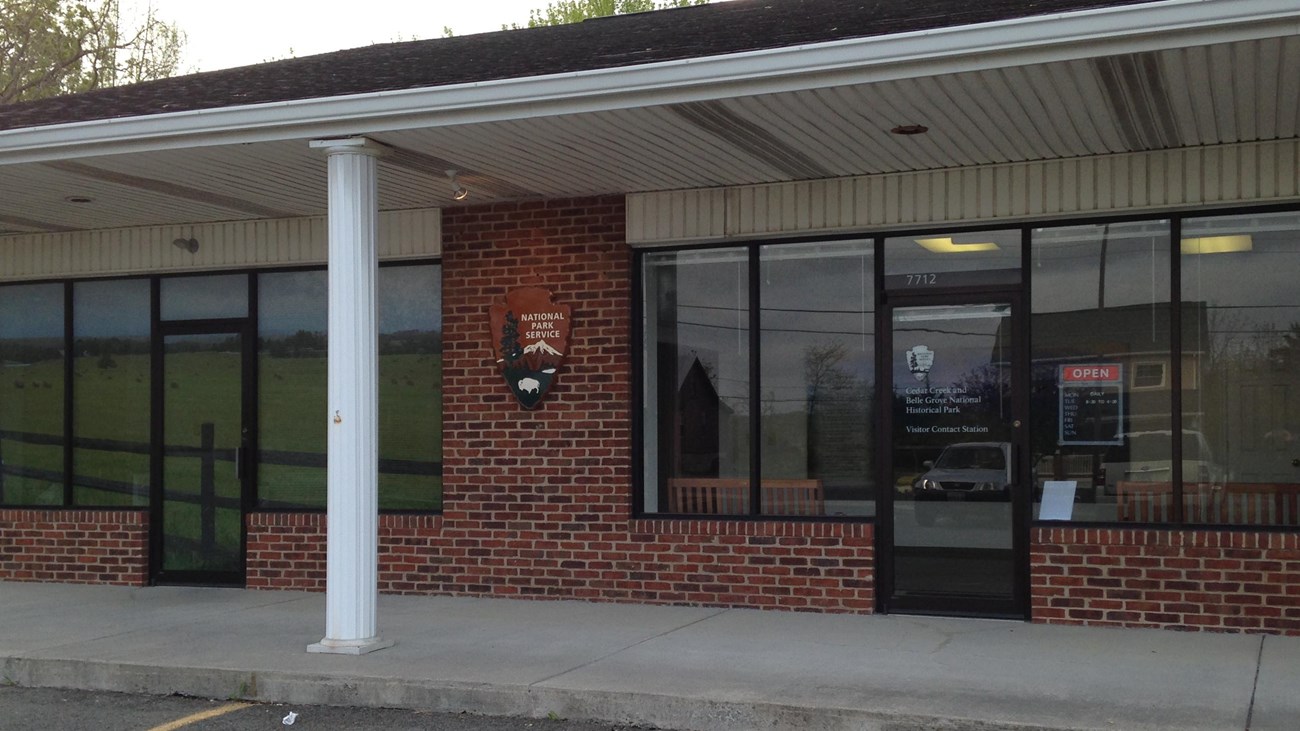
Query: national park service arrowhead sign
[(530, 334)]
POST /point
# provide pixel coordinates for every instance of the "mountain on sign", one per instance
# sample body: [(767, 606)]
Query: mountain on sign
[(541, 347)]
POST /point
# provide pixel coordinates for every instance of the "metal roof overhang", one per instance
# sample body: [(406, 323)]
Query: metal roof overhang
[(1163, 75)]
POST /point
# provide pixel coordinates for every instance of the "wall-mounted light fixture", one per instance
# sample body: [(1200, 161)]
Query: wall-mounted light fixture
[(191, 244), (458, 191), (909, 129)]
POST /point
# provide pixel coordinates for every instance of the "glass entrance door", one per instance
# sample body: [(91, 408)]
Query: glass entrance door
[(202, 440), (953, 460)]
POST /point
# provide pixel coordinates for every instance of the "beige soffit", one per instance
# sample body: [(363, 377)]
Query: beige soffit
[(1258, 172), (231, 245)]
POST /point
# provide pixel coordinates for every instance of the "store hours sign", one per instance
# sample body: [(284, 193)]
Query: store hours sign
[(530, 334), (1091, 403)]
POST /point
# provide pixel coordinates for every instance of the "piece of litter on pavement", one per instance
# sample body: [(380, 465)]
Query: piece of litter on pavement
[(289, 719)]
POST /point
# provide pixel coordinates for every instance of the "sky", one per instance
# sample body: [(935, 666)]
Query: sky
[(229, 33)]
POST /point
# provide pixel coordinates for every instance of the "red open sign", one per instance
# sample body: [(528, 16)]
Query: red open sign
[(1091, 373)]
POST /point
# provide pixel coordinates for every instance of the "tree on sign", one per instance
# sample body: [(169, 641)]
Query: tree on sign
[(53, 47)]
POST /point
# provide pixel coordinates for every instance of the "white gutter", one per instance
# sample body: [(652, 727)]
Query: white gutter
[(1019, 42)]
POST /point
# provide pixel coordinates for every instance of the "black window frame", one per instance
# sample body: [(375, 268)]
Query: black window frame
[(1174, 375), (68, 503), (753, 249)]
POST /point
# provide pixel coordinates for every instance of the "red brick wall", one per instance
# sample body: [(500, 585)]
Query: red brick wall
[(533, 497), (412, 552), (74, 546), (287, 551), (812, 566), (538, 503), (1182, 579), (826, 567)]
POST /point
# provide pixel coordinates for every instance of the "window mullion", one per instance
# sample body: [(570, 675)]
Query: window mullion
[(68, 370), (1176, 365), (755, 386)]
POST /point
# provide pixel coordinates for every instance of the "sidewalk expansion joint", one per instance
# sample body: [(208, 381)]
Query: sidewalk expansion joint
[(641, 641), (1254, 686)]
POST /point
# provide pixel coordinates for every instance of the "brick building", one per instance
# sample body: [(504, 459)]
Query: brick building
[(870, 308)]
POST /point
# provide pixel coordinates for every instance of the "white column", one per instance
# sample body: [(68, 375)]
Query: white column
[(352, 561)]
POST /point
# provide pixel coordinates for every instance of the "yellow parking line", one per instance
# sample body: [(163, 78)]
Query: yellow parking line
[(200, 716)]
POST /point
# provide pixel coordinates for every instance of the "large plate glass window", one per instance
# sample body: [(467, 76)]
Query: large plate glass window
[(697, 382), (818, 378), (292, 310), (410, 387), (1101, 394), (292, 388), (110, 392), (31, 409), (1241, 369), (798, 374)]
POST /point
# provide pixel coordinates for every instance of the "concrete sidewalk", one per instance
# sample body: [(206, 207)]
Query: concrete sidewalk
[(672, 667)]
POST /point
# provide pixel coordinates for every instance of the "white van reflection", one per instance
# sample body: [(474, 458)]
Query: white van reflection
[(968, 471), (1146, 456)]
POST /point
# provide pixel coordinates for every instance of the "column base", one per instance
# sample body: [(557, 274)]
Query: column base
[(349, 647)]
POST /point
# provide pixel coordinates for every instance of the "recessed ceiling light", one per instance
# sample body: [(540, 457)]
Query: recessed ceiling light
[(910, 129), (79, 199)]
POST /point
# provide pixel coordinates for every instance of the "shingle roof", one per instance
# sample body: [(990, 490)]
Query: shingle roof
[(624, 40)]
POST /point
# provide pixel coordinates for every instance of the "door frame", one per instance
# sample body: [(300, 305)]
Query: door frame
[(245, 328), (1017, 607)]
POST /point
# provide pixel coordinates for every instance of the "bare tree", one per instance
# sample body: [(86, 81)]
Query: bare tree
[(562, 12), (53, 47)]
